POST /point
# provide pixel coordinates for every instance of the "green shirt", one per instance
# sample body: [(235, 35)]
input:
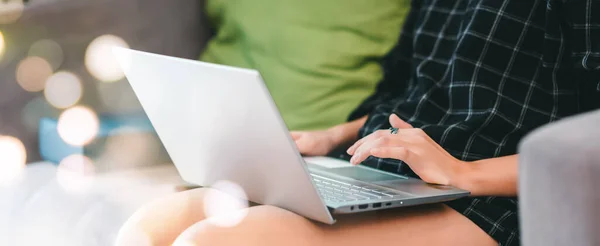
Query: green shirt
[(319, 58)]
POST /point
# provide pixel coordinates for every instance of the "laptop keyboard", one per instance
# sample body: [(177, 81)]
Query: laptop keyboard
[(339, 191)]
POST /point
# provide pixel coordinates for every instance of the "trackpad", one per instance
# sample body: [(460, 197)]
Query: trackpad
[(363, 174)]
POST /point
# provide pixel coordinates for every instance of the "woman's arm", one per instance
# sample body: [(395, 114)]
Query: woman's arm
[(490, 177), (433, 164)]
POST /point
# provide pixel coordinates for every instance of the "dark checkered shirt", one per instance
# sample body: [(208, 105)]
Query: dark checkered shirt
[(478, 75)]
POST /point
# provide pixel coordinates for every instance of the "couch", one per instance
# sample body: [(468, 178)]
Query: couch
[(559, 183)]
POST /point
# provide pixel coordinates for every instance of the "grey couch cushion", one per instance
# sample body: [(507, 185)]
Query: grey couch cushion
[(173, 28), (559, 183)]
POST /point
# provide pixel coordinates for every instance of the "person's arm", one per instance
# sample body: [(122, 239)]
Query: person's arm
[(433, 164), (498, 176), (489, 177)]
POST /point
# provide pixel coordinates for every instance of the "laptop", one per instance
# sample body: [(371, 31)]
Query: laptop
[(220, 123)]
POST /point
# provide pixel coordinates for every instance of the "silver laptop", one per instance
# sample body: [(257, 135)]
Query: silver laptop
[(220, 123)]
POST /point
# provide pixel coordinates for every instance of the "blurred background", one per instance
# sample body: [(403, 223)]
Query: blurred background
[(55, 55), (66, 111)]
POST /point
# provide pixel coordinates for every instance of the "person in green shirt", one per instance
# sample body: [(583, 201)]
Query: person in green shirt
[(319, 59)]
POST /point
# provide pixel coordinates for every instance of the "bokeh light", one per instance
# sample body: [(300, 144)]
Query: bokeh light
[(75, 173), (101, 62), (78, 125), (11, 11), (32, 73), (49, 50), (2, 45), (63, 89), (12, 159), (225, 204)]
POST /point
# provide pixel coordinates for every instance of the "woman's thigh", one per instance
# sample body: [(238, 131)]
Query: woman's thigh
[(181, 217)]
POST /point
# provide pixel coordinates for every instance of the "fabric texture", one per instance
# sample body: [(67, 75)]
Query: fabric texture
[(478, 75), (558, 183), (319, 59)]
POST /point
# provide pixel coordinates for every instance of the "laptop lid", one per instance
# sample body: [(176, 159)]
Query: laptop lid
[(220, 123)]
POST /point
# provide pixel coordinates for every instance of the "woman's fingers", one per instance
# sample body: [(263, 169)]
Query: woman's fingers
[(361, 152), (371, 136), (402, 133), (364, 151), (411, 142), (399, 153), (396, 122), (313, 143), (303, 144), (296, 135)]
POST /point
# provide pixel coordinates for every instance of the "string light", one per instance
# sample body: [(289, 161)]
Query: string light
[(100, 61), (63, 89), (12, 159), (78, 125)]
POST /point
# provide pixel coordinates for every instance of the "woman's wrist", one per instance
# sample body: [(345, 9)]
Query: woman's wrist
[(488, 177), (463, 174)]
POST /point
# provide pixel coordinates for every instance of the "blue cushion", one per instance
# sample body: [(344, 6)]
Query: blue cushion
[(54, 149)]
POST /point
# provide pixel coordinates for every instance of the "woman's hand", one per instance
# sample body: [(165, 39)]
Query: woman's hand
[(315, 143), (323, 142), (413, 146)]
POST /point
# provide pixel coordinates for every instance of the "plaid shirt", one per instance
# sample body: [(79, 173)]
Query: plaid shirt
[(478, 75)]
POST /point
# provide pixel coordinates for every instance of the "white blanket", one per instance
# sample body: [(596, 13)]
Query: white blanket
[(36, 210)]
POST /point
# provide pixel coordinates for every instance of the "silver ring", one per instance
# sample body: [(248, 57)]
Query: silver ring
[(393, 130)]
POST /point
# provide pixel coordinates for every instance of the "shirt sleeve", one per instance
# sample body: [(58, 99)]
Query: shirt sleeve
[(396, 67)]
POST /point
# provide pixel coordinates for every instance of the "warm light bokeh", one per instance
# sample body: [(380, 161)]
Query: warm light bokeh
[(78, 125), (32, 73), (100, 61), (12, 159), (63, 89), (225, 204), (75, 173), (49, 50), (11, 11)]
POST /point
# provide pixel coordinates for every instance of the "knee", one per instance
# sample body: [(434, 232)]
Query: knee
[(261, 225), (161, 221)]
